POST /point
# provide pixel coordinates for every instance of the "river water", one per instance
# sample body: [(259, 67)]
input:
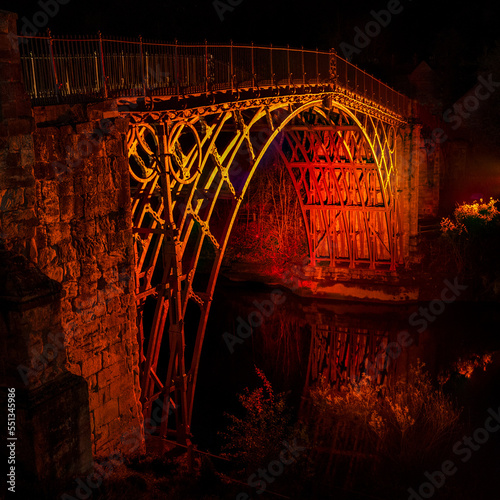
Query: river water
[(297, 340)]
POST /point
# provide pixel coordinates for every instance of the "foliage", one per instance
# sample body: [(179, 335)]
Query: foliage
[(408, 425), (471, 218), (472, 234), (256, 438), (377, 435), (465, 366), (270, 228)]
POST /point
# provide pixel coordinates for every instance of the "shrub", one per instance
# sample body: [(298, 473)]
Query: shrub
[(255, 439), (398, 429), (273, 232), (473, 236)]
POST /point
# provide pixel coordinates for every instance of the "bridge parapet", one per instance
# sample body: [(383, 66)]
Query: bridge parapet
[(63, 69)]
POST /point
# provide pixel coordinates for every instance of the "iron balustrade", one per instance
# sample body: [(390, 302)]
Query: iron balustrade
[(79, 69)]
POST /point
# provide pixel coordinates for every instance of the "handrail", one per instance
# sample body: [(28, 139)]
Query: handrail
[(79, 69)]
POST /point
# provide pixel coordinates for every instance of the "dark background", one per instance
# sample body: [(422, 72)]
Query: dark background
[(457, 39)]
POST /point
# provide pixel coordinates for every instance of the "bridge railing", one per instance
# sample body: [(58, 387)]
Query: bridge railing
[(65, 69)]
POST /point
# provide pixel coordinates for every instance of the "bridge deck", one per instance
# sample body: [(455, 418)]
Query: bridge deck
[(71, 70)]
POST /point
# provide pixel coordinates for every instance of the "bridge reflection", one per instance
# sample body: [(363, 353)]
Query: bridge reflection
[(305, 341), (316, 349), (345, 343)]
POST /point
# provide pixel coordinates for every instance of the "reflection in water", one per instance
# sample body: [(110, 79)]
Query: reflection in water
[(341, 353), (338, 343), (349, 346), (304, 340), (308, 346)]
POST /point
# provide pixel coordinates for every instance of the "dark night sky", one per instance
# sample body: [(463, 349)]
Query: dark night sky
[(450, 35)]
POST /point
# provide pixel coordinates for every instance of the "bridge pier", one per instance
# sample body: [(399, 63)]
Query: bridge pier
[(51, 404), (65, 216), (411, 168)]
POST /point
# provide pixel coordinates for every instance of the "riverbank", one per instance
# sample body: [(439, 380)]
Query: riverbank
[(403, 286)]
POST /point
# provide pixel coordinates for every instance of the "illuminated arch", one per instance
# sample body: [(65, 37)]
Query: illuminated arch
[(189, 174)]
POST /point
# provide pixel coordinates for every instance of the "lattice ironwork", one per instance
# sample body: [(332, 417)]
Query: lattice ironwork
[(189, 173), (202, 117), (341, 355), (344, 173)]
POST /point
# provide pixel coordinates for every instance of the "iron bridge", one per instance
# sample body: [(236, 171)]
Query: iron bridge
[(202, 117)]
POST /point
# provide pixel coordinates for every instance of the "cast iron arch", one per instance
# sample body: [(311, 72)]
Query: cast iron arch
[(188, 179)]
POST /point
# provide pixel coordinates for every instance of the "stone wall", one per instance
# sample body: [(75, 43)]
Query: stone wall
[(429, 181), (65, 209), (17, 184), (409, 170), (83, 240), (51, 405)]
